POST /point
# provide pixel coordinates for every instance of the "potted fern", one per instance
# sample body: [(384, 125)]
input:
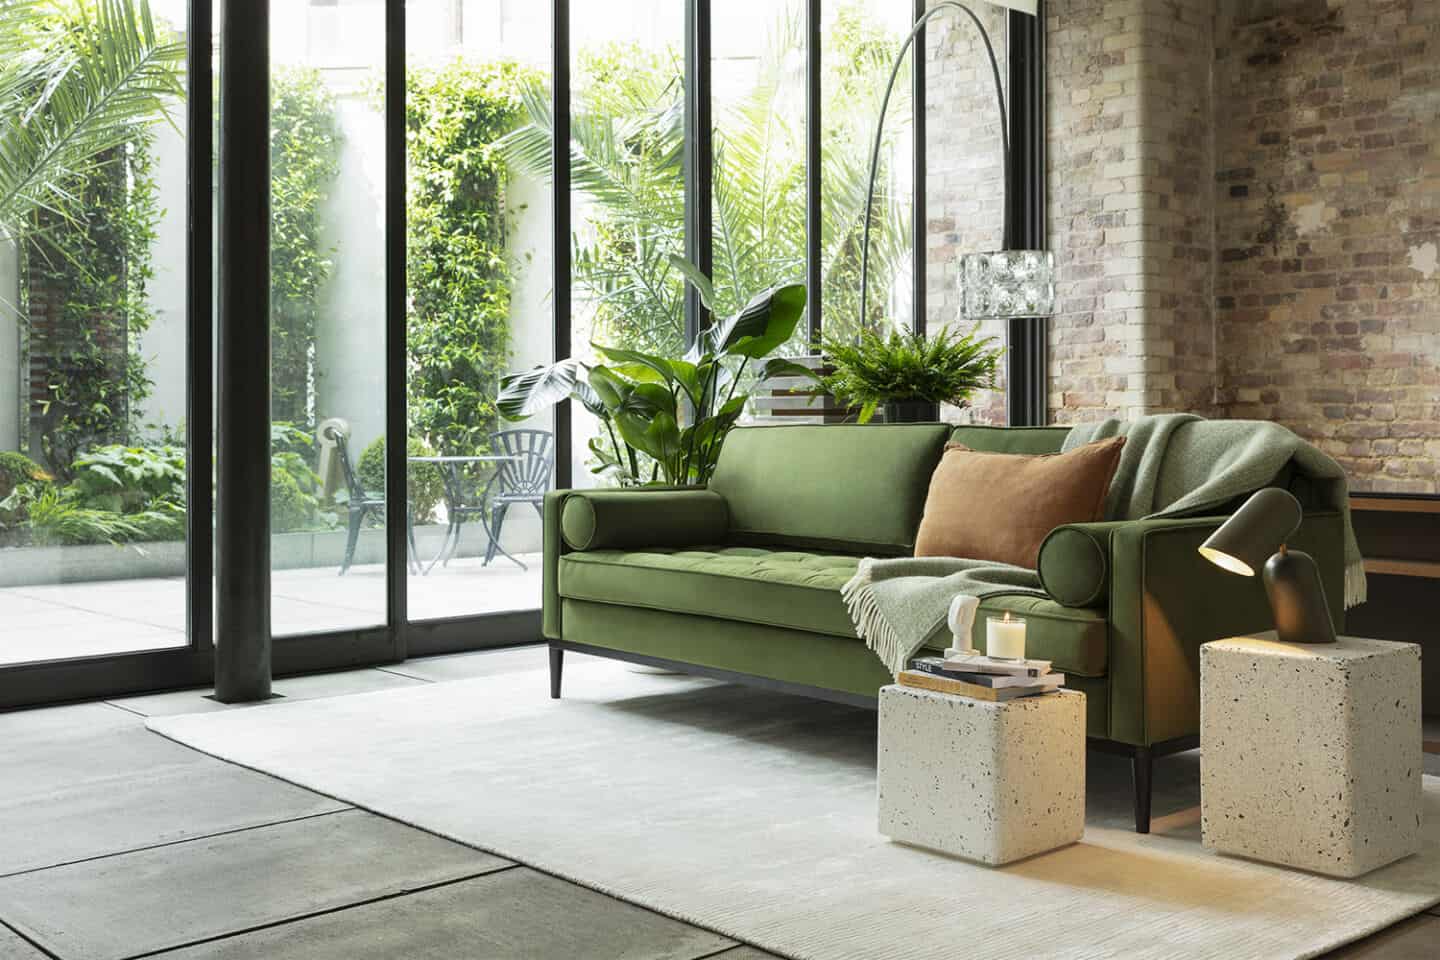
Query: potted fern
[(909, 374)]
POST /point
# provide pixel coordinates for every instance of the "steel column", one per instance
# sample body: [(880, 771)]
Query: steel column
[(560, 227), (397, 468), (814, 178), (242, 648), (699, 158)]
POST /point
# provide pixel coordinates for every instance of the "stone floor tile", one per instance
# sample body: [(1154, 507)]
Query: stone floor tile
[(170, 896), (519, 914), (480, 663), (319, 685), (310, 687), (14, 947), (145, 808)]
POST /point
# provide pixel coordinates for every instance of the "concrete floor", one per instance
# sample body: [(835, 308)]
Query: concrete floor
[(61, 621), (120, 844)]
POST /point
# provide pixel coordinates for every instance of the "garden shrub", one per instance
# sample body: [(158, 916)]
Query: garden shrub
[(130, 479), (427, 487), (15, 469), (88, 270), (291, 508), (297, 501)]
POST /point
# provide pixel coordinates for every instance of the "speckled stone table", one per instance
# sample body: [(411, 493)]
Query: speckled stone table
[(1311, 753), (993, 782)]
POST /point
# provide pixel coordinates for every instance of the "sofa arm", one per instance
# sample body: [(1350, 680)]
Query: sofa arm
[(1074, 564), (626, 519), (1166, 600), (620, 519)]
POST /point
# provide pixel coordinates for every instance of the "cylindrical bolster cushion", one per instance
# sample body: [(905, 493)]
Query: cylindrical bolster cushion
[(1074, 563), (626, 519)]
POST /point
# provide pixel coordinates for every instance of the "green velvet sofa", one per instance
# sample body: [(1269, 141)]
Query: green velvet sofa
[(741, 580)]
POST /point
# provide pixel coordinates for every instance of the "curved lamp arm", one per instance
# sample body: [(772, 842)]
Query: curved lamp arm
[(880, 130)]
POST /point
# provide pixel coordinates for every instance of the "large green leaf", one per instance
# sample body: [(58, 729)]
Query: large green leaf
[(697, 279), (632, 359), (784, 367), (84, 79), (763, 324), (651, 398), (539, 388), (612, 389)]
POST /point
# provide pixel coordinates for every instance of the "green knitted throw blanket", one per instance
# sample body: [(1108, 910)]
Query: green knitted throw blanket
[(1173, 465)]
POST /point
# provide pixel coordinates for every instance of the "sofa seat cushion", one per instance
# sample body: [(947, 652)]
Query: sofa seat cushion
[(795, 589), (799, 590)]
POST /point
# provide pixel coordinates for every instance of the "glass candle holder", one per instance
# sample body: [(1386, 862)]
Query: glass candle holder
[(1005, 637)]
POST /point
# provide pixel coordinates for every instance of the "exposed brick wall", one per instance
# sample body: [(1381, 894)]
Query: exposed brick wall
[(964, 173), (1328, 288), (1244, 205), (1095, 210), (1177, 363), (1130, 207)]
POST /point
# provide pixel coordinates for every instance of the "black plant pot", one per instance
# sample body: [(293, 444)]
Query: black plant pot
[(912, 411)]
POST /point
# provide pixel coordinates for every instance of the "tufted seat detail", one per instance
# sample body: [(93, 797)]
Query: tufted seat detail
[(794, 589)]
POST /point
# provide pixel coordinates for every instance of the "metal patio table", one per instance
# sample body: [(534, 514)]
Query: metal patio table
[(455, 506)]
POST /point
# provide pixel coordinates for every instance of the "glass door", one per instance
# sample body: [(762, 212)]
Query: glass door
[(479, 271), (98, 276), (327, 317)]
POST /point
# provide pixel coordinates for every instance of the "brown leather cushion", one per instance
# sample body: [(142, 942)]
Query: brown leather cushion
[(1000, 506)]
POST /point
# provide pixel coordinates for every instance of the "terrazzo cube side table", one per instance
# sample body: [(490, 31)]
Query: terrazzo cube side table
[(1310, 754), (992, 782)]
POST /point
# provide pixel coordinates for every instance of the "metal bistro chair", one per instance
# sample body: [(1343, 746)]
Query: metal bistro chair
[(363, 503), (523, 477)]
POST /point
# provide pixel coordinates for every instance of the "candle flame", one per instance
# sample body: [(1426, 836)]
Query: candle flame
[(1007, 616)]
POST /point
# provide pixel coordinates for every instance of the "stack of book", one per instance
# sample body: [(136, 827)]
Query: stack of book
[(982, 678)]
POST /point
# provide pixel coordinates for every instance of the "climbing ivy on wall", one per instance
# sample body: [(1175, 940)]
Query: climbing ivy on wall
[(458, 269), (305, 144), (85, 282)]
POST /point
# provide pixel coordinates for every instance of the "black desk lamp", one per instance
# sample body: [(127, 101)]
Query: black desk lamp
[(1254, 537)]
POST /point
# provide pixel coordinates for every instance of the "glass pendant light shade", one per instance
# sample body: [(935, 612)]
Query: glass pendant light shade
[(1007, 283)]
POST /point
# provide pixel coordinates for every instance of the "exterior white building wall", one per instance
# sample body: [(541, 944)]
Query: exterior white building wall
[(163, 345)]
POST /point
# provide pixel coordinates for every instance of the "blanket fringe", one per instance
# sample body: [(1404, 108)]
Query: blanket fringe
[(1356, 589), (859, 596)]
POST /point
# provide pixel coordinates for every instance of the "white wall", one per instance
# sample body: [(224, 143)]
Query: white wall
[(350, 329), (163, 345)]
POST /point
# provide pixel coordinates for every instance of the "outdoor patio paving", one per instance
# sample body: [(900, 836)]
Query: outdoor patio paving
[(63, 621)]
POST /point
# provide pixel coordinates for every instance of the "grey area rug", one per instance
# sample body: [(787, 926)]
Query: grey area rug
[(753, 814)]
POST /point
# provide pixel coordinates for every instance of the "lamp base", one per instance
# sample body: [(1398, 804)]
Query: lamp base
[(1297, 598)]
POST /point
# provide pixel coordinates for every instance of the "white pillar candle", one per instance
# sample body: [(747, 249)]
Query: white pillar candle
[(1005, 637)]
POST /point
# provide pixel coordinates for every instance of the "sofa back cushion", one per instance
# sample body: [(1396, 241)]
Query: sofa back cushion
[(1033, 440), (1001, 506), (843, 487)]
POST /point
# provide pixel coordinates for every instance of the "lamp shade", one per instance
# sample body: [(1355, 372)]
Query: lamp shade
[(1260, 527), (1007, 283)]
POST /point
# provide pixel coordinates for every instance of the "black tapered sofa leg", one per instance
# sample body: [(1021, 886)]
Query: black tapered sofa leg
[(1141, 764), (557, 666)]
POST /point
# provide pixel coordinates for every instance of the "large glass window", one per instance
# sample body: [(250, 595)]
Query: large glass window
[(93, 331), (628, 196), (862, 38), (327, 316), (479, 272), (758, 100)]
